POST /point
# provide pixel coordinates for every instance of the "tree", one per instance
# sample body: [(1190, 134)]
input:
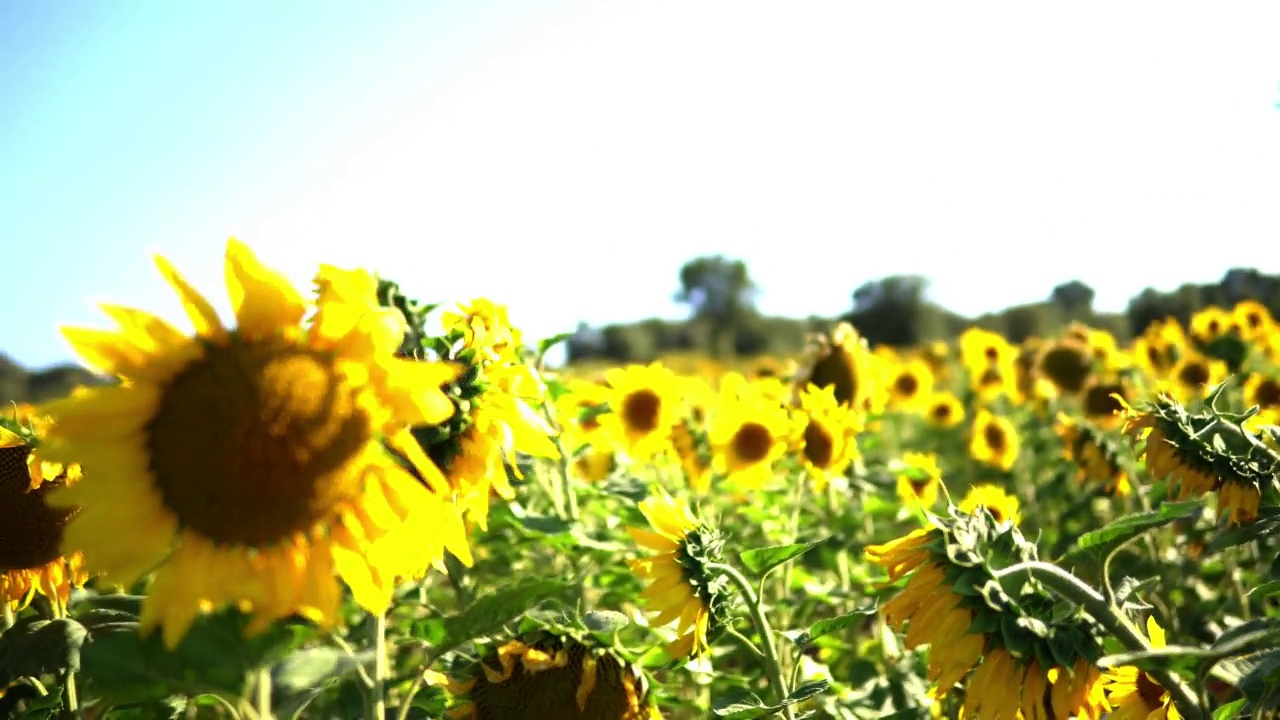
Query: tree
[(1074, 298), (720, 294), (893, 311)]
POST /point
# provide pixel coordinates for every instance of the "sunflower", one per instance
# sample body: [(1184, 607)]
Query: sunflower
[(247, 466), (749, 433), (944, 410), (1210, 323), (494, 397), (993, 440), (1193, 376), (1098, 401), (827, 435), (1067, 364), (1002, 506), (1095, 455), (919, 479), (910, 384), (551, 676), (578, 411), (1160, 347), (1262, 390), (693, 451), (1254, 320), (930, 608), (644, 405), (1194, 455), (845, 362), (683, 589), (1135, 695), (31, 560)]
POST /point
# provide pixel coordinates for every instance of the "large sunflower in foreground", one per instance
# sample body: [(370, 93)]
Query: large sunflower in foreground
[(682, 588), (31, 560), (246, 466)]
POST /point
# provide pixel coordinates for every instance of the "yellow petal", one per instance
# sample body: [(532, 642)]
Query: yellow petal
[(203, 318), (263, 300)]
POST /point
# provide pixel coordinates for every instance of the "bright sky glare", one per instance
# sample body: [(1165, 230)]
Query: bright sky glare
[(567, 157)]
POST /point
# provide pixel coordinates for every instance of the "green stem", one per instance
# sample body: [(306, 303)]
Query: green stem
[(770, 649), (378, 693), (70, 701), (566, 491), (9, 618), (1070, 587)]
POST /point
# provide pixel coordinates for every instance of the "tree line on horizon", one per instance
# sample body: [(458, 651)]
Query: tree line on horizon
[(724, 321)]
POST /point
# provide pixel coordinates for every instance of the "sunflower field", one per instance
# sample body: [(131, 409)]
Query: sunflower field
[(350, 504)]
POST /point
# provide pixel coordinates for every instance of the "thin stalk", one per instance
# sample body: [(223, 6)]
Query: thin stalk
[(378, 693), (770, 649), (1071, 588)]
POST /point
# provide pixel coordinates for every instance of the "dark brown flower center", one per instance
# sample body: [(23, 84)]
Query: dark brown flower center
[(641, 410), (1151, 692), (611, 692), (919, 485), (253, 442), (1098, 400), (1267, 394), (994, 436), (819, 447), (752, 442), (30, 530), (906, 384), (1067, 366), (837, 368), (1194, 373), (941, 412)]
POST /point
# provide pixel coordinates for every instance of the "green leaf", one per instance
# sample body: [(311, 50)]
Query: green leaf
[(1267, 524), (490, 612), (761, 560), (1131, 526), (302, 676), (546, 344), (828, 626), (743, 705), (120, 666), (1229, 711), (1235, 640), (33, 647)]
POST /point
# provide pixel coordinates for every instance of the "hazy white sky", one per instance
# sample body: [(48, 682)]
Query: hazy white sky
[(568, 157)]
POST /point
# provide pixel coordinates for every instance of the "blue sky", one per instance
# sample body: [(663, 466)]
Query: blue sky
[(567, 157)]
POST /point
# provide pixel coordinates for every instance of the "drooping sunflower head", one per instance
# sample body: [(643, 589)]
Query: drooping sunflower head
[(1026, 660), (31, 556), (993, 440), (1097, 456), (749, 433), (826, 435), (919, 479), (944, 410), (644, 404), (910, 384), (1201, 452), (683, 589), (1067, 364), (247, 466), (845, 362), (546, 674)]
